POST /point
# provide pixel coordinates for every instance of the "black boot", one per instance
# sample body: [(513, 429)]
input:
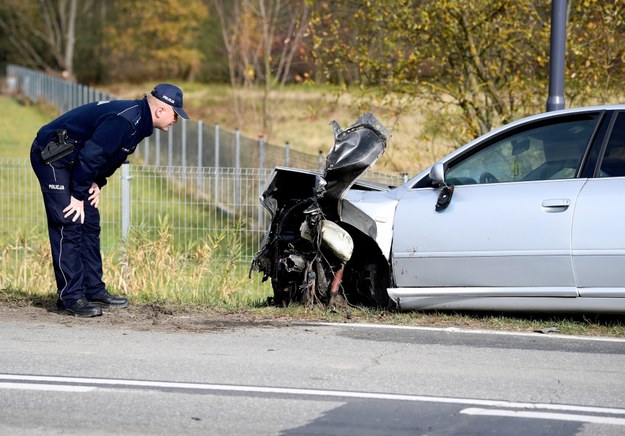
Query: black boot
[(107, 300), (81, 308)]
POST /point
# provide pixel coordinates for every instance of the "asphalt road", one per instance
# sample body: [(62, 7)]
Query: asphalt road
[(304, 379)]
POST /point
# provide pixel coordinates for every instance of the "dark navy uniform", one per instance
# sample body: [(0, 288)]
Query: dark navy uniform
[(104, 133)]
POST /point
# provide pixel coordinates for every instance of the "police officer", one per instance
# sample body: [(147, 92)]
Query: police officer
[(72, 156)]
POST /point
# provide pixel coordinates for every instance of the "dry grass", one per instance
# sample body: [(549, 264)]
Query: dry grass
[(205, 271)]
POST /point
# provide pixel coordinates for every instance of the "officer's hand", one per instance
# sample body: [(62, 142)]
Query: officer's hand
[(76, 207), (94, 198)]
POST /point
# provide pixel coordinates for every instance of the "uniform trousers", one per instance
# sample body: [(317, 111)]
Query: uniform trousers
[(75, 247)]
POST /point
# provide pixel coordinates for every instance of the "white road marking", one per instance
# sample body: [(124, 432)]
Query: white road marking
[(46, 387), (473, 331), (544, 415), (104, 383)]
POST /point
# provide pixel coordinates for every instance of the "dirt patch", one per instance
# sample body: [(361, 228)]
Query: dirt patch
[(165, 316), (143, 317)]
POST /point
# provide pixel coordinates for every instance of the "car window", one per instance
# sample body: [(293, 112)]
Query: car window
[(613, 163), (542, 151)]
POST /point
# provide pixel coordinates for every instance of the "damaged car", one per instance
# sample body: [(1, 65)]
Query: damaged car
[(528, 217)]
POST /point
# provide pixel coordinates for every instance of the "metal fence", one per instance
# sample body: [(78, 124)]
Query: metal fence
[(189, 143), (199, 177), (193, 203)]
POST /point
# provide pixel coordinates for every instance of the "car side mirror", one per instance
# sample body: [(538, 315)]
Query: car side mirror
[(437, 173)]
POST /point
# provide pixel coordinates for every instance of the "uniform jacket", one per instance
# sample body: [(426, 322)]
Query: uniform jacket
[(105, 132)]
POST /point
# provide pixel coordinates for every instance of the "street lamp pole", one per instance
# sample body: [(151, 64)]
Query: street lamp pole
[(555, 100)]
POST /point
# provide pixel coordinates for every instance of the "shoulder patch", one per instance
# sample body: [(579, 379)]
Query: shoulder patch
[(132, 114)]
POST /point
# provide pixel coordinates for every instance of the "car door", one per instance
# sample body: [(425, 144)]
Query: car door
[(598, 236), (508, 225)]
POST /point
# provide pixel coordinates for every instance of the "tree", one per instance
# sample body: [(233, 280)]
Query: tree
[(43, 32), (261, 39), (595, 50), (150, 40), (480, 59)]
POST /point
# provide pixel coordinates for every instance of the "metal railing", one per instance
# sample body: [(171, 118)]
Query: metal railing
[(145, 199), (189, 143)]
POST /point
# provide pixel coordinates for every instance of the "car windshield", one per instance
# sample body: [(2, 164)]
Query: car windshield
[(543, 152)]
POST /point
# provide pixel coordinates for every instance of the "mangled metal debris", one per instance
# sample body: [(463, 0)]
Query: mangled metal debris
[(310, 253)]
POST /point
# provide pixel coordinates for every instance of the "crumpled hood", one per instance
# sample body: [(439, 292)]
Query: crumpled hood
[(355, 149)]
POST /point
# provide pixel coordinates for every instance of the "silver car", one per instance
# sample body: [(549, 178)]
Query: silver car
[(528, 217)]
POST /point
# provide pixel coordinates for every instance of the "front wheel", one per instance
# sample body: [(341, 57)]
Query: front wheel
[(366, 284)]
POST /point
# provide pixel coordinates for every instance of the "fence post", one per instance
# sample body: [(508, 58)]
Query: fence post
[(199, 156), (237, 148), (237, 167), (184, 143), (261, 166), (183, 158), (125, 199), (146, 150), (287, 153), (170, 151), (261, 152), (216, 192), (157, 148)]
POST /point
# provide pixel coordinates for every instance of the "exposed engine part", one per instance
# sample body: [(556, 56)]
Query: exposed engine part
[(294, 262), (336, 239), (310, 255)]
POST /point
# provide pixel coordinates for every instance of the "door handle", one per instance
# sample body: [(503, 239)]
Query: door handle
[(556, 205)]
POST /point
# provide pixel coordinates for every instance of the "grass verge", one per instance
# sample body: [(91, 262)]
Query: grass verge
[(257, 312)]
